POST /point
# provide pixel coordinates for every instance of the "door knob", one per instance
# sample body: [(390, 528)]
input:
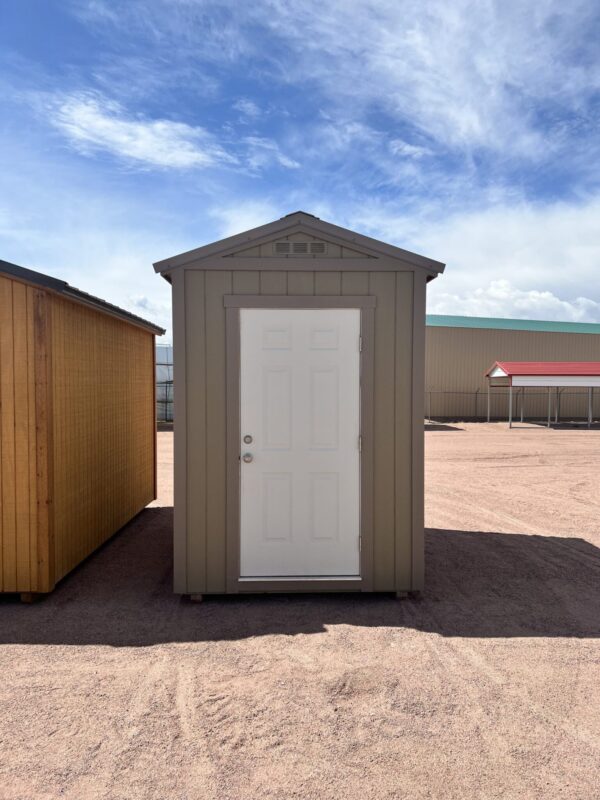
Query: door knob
[(247, 458)]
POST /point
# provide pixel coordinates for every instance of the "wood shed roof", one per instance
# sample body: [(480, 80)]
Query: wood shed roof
[(71, 292), (372, 250)]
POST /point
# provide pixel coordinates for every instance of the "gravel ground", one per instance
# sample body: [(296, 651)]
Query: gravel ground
[(489, 687)]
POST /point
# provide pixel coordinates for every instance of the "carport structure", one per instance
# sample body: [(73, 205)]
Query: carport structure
[(543, 374)]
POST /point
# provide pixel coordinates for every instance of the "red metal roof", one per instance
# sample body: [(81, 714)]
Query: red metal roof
[(547, 367)]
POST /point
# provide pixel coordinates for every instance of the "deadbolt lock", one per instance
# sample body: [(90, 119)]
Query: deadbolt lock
[(248, 439)]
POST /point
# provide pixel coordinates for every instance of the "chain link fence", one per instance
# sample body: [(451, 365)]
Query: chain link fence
[(164, 383), (565, 404)]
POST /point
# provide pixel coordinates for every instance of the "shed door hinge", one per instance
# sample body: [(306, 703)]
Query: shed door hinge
[(360, 444), (360, 344)]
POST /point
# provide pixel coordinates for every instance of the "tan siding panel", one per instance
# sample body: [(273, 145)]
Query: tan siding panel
[(417, 467), (328, 283), (347, 252), (383, 286), (217, 284), (403, 427), (273, 282), (207, 424), (246, 282), (301, 283), (180, 436), (196, 428), (355, 283)]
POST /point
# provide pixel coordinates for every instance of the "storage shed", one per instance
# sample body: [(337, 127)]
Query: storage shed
[(77, 435), (298, 376)]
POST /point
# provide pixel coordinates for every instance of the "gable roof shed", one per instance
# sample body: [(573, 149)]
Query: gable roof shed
[(302, 285)]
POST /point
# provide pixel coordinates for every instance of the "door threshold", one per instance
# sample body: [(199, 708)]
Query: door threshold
[(288, 578)]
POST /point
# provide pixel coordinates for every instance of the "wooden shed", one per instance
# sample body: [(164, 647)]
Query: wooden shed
[(77, 436), (298, 376)]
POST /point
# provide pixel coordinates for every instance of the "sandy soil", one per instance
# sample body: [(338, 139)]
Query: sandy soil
[(487, 688)]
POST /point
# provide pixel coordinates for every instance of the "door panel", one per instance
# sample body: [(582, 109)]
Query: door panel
[(300, 403)]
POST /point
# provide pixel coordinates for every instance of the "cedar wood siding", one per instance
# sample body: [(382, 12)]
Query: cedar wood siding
[(77, 439), (26, 563), (103, 428)]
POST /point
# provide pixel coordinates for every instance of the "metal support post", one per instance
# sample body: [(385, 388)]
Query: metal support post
[(488, 401), (549, 406), (590, 403), (522, 402), (510, 405)]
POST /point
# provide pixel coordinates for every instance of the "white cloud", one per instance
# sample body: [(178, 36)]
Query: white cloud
[(508, 259), (248, 108), (466, 75), (554, 247), (261, 152), (501, 299), (244, 215), (93, 123), (402, 148)]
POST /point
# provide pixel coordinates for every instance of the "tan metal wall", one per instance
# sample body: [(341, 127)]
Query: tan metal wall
[(77, 439), (457, 358), (201, 419)]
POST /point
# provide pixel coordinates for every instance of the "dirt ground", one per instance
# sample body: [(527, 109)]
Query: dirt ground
[(489, 687)]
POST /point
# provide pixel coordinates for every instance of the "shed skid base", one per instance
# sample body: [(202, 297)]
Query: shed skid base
[(196, 598), (31, 597)]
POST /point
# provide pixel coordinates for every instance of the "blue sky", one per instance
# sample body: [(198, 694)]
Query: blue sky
[(466, 131)]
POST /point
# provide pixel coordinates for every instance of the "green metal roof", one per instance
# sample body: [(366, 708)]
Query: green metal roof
[(448, 321)]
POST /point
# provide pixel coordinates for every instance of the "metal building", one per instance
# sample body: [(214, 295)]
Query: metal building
[(299, 366), (459, 351)]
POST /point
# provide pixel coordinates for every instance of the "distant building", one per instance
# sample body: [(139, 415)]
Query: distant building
[(459, 350)]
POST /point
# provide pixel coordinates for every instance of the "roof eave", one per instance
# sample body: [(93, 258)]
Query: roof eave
[(63, 289), (312, 224)]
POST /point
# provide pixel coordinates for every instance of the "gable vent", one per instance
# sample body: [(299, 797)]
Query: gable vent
[(299, 248)]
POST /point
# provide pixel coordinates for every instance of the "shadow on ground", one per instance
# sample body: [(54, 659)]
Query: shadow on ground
[(478, 585), (441, 426)]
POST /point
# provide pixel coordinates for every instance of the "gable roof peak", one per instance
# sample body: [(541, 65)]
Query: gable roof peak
[(300, 214), (285, 225)]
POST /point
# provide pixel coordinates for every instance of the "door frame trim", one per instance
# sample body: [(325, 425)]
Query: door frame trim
[(366, 305)]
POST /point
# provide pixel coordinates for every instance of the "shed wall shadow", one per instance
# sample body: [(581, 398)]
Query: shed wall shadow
[(478, 585)]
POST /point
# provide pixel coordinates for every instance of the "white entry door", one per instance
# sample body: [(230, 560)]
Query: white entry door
[(300, 425)]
